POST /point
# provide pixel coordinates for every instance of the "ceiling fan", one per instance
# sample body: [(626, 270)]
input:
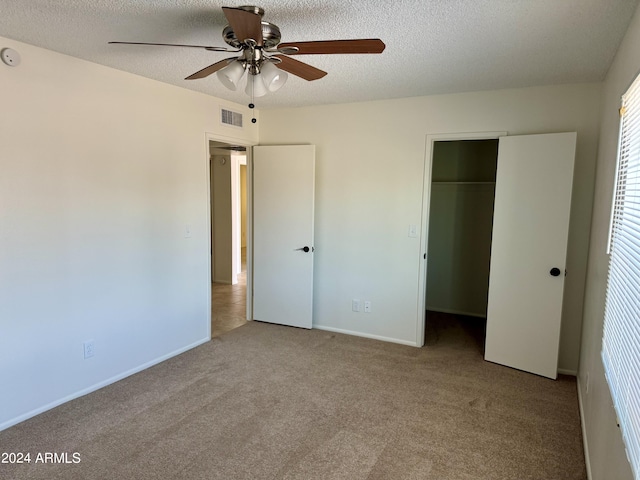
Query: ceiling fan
[(266, 60)]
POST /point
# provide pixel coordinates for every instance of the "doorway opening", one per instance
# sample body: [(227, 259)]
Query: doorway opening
[(228, 198), (460, 221)]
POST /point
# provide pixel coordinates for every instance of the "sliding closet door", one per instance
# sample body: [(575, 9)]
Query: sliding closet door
[(529, 249)]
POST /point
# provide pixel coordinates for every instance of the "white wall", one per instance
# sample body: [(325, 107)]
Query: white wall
[(605, 448), (100, 172), (370, 160)]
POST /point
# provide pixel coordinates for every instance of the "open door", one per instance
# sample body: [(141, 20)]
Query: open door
[(528, 253), (283, 210)]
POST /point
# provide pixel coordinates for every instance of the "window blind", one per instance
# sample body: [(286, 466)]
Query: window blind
[(621, 334)]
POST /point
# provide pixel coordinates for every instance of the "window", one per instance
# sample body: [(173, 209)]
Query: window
[(621, 336)]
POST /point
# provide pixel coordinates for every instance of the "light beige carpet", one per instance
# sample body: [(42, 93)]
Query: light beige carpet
[(271, 402)]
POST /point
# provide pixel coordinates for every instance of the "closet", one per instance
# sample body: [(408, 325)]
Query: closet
[(460, 225), (498, 214)]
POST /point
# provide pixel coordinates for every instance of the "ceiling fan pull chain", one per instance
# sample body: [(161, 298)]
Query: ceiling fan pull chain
[(251, 105)]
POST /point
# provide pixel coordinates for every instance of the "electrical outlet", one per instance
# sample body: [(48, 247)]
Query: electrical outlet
[(89, 349), (367, 306), (355, 305)]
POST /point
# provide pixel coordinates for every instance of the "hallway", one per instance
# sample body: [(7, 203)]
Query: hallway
[(228, 303)]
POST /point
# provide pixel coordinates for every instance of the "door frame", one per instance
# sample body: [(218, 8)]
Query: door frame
[(426, 205), (237, 162), (249, 186)]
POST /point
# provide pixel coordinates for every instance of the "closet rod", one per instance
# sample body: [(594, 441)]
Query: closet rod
[(464, 183)]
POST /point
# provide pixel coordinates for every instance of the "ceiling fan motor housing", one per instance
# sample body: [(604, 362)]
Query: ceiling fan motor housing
[(270, 36)]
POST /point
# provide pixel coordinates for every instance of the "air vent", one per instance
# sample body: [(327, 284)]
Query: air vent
[(231, 118)]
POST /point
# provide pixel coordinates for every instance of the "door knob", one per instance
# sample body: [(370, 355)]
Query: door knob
[(554, 272), (305, 249)]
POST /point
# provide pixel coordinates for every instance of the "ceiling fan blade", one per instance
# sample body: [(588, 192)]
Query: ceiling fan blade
[(205, 72), (300, 69), (211, 49), (371, 45), (246, 25)]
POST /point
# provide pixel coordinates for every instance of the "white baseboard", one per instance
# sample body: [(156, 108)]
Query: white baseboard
[(365, 335), (587, 461), (99, 385), (564, 371)]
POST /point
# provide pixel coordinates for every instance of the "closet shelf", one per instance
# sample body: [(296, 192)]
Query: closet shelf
[(463, 183)]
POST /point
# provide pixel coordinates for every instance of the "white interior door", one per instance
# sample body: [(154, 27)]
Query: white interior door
[(530, 231), (283, 209)]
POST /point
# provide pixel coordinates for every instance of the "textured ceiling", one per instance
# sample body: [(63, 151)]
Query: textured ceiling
[(433, 46)]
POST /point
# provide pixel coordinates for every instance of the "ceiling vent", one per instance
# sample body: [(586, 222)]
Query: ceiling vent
[(231, 118)]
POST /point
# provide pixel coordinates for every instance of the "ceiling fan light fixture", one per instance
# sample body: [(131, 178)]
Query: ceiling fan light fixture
[(273, 77), (231, 74), (256, 86)]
